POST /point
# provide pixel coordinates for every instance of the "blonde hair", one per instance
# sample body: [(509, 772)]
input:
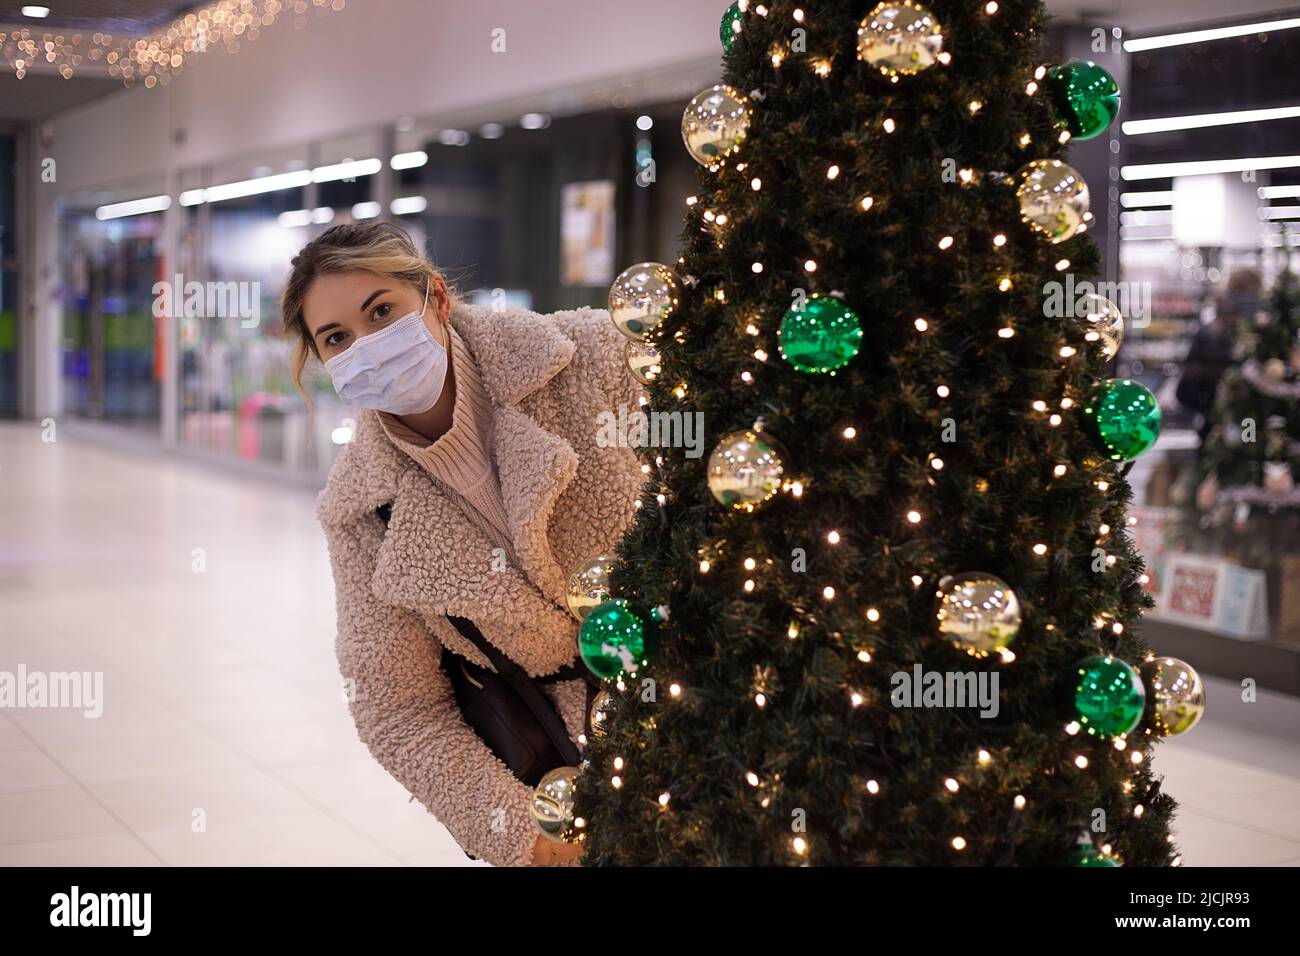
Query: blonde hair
[(383, 248)]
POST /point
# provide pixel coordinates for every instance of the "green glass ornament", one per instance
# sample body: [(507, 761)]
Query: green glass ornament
[(1086, 97), (1124, 417), (821, 337), (733, 22), (1108, 696), (616, 638), (1085, 854)]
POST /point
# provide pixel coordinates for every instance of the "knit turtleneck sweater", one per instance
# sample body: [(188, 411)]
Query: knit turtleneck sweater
[(461, 458)]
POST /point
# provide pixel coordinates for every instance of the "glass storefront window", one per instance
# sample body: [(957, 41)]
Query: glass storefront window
[(111, 351), (235, 393)]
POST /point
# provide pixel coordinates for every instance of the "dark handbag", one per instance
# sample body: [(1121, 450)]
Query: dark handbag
[(507, 708)]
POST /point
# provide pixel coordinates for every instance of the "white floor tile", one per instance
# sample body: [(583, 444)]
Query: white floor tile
[(304, 839), (115, 850), (33, 816), (30, 769)]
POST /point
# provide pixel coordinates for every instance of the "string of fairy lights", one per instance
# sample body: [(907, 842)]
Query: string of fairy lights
[(155, 59), (977, 612)]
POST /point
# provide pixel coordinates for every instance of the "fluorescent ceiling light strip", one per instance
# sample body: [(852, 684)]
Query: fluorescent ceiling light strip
[(407, 205), (1124, 238), (1200, 36), (366, 210), (133, 207), (255, 187), (1281, 212), (1199, 121), (295, 218), (348, 170), (409, 160), (1143, 200), (1279, 192), (1206, 167), (1147, 217)]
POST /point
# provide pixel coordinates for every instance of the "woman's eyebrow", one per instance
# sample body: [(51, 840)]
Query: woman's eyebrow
[(374, 295), (325, 328)]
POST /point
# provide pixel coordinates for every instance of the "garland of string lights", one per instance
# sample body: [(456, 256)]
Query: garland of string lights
[(154, 59), (976, 612)]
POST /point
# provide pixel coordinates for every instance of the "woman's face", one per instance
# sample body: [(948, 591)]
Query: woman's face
[(344, 306)]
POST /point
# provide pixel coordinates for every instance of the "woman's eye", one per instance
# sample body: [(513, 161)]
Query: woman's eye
[(333, 339), (382, 312)]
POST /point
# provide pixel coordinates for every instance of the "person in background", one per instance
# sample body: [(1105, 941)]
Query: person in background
[(1211, 353)]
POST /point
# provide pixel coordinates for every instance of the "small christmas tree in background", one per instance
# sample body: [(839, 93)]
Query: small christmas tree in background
[(915, 473), (1252, 454)]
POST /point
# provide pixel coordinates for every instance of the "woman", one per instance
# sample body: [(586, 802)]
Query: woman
[(473, 482)]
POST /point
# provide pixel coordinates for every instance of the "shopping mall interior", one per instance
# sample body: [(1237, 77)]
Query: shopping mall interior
[(159, 468)]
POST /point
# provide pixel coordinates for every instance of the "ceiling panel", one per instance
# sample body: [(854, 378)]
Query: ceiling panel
[(127, 17)]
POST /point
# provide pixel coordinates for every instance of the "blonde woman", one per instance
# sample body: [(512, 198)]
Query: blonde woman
[(473, 483)]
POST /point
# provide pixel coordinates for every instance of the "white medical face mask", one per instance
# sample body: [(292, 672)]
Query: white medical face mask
[(400, 369)]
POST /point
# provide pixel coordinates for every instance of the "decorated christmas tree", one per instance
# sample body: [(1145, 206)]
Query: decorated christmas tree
[(1252, 454), (888, 616)]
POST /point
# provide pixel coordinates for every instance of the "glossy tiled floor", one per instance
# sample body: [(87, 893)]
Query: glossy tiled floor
[(206, 602)]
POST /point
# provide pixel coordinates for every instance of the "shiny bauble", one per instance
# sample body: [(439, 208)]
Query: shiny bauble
[(820, 336), (978, 612), (899, 36), (1085, 96), (642, 361), (1053, 198), (715, 123), (553, 804), (1124, 418), (616, 638), (642, 297), (588, 585), (1105, 324), (1089, 855), (1109, 696), (746, 469), (1175, 696), (733, 24), (602, 710)]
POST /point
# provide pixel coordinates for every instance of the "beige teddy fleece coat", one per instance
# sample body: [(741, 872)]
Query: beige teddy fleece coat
[(566, 498)]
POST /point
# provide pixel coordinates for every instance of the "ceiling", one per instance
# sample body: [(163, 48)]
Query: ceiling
[(127, 17), (41, 94)]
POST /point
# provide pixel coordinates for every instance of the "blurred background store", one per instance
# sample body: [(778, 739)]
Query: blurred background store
[(535, 150)]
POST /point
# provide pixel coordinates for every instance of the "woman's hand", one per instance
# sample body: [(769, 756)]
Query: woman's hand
[(546, 853)]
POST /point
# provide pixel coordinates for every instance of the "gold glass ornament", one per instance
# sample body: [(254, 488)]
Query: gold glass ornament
[(715, 123), (746, 469), (1105, 323), (553, 805), (1053, 198), (643, 296), (642, 360), (602, 709), (899, 36), (978, 612), (1175, 695), (588, 585)]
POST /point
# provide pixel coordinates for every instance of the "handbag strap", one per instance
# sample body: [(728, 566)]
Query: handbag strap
[(524, 685)]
